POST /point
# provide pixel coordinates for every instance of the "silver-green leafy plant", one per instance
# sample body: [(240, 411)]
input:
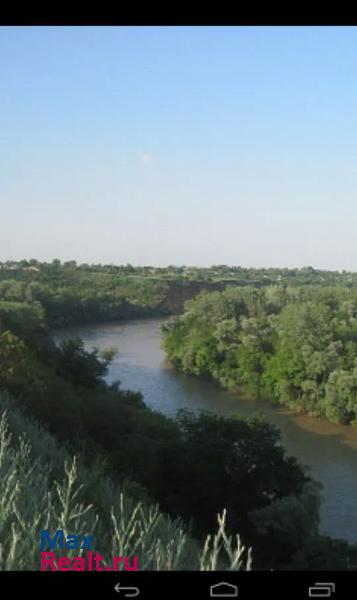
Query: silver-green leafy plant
[(42, 486)]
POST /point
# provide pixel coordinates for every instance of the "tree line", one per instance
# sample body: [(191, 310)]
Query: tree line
[(83, 293), (296, 346)]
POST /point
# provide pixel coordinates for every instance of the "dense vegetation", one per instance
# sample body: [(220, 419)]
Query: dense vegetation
[(43, 487), (72, 293), (199, 465), (44, 271), (295, 345), (192, 467)]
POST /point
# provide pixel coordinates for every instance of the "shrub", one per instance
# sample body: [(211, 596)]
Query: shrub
[(43, 487)]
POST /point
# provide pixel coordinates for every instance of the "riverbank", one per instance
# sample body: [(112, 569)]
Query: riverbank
[(329, 450)]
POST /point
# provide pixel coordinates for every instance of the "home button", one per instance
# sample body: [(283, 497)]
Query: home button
[(224, 590)]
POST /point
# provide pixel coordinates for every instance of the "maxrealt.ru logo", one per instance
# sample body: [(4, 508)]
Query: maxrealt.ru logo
[(91, 561)]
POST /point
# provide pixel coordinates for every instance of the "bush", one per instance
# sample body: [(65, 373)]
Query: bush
[(43, 487)]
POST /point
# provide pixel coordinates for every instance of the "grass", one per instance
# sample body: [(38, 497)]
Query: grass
[(43, 486)]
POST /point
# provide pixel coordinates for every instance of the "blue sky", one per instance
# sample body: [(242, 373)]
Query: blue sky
[(180, 145)]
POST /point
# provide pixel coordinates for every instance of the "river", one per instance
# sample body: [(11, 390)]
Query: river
[(329, 450)]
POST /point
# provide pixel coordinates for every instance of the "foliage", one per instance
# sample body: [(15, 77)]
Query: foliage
[(296, 346), (35, 495), (67, 292)]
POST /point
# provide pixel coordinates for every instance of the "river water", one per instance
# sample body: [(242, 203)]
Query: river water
[(329, 450)]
